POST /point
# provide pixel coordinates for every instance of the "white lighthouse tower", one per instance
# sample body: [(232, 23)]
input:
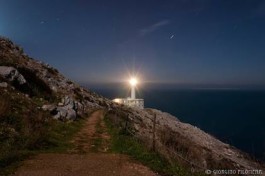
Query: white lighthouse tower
[(133, 82), (131, 101)]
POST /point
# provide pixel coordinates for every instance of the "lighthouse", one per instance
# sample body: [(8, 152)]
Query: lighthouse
[(133, 83), (131, 101)]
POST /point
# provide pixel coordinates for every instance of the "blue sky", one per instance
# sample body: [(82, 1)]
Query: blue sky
[(198, 42)]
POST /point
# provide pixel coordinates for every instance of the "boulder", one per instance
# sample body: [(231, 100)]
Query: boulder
[(67, 109), (62, 112), (79, 108), (11, 74), (3, 84), (71, 114), (60, 104), (48, 107)]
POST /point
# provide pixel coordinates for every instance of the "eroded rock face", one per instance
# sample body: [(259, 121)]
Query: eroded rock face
[(11, 74)]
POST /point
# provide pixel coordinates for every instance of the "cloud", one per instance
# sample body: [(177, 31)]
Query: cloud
[(154, 27)]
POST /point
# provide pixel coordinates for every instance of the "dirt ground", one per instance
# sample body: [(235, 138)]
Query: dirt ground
[(89, 157)]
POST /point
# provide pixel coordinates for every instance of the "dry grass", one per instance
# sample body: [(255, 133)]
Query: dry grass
[(22, 127), (25, 129), (4, 106)]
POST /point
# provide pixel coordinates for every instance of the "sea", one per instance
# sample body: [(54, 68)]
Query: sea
[(234, 116)]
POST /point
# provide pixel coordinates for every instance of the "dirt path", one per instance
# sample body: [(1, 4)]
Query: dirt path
[(89, 138), (88, 158)]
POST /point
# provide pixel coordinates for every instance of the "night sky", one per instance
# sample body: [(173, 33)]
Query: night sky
[(181, 42)]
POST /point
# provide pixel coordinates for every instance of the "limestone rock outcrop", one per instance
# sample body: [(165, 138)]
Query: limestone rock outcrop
[(67, 109), (12, 74)]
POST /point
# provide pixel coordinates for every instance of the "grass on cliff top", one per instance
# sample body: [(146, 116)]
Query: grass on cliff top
[(57, 140), (26, 130), (122, 142), (60, 135)]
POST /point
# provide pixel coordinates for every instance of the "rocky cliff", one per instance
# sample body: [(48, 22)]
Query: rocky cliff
[(64, 100)]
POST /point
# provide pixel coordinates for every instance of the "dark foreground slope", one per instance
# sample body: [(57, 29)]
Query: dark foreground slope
[(36, 93)]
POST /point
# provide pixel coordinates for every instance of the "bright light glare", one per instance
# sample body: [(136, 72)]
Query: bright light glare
[(133, 81)]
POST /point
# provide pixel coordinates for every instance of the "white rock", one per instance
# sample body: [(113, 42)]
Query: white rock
[(3, 84), (11, 74), (71, 114), (48, 107)]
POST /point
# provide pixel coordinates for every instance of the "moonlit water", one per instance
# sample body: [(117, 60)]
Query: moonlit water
[(236, 117)]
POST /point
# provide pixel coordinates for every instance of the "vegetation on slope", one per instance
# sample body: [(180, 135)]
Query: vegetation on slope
[(25, 129), (125, 143)]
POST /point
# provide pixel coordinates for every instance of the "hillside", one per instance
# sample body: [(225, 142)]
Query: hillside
[(34, 95)]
